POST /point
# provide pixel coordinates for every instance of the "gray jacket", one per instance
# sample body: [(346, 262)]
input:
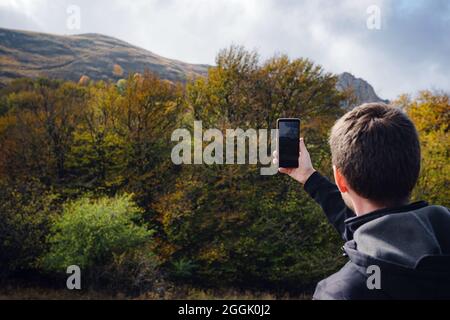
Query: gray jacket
[(395, 253)]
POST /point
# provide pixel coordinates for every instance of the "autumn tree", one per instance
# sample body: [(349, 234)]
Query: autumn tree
[(97, 153), (38, 129), (148, 113), (227, 223), (431, 115)]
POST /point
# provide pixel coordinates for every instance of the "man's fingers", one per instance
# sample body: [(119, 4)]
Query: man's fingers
[(302, 146), (284, 170)]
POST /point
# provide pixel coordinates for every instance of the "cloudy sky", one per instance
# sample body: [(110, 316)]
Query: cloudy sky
[(409, 52)]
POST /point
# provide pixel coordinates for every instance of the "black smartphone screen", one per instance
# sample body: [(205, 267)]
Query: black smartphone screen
[(288, 142)]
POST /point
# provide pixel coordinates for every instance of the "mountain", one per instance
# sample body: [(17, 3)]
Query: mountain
[(362, 91), (99, 57), (31, 54)]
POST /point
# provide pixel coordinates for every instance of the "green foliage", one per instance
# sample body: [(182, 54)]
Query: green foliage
[(90, 232), (96, 158), (183, 269), (105, 237)]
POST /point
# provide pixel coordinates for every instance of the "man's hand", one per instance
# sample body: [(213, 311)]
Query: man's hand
[(305, 169)]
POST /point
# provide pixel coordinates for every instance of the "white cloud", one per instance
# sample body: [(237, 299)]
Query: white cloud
[(409, 53), (27, 8)]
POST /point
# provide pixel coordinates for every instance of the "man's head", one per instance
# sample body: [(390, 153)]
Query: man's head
[(376, 155)]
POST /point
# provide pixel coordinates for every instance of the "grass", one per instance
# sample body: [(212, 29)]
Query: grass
[(186, 293), (34, 293)]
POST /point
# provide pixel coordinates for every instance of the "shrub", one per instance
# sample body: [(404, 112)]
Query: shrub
[(182, 269), (106, 239), (135, 271)]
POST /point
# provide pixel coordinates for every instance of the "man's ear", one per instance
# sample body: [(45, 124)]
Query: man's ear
[(341, 182)]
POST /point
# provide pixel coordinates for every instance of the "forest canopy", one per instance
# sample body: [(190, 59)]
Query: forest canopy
[(86, 171)]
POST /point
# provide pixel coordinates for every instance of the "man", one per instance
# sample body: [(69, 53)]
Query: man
[(376, 163)]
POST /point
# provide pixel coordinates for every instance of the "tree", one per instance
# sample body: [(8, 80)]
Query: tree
[(229, 224), (431, 115), (38, 129), (148, 113), (97, 155)]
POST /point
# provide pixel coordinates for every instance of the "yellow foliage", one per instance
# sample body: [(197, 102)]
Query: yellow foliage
[(431, 115)]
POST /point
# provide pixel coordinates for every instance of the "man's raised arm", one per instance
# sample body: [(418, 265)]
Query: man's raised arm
[(325, 193)]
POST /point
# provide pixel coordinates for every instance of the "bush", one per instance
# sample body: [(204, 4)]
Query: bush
[(135, 271), (106, 239)]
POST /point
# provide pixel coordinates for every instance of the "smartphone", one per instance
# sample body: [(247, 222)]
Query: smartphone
[(288, 142)]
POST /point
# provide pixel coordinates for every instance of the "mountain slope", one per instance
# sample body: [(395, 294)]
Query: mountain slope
[(30, 54)]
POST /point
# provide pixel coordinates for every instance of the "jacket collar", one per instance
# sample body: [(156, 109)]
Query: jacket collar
[(352, 224)]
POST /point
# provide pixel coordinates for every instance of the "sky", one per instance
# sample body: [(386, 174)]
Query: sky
[(399, 46)]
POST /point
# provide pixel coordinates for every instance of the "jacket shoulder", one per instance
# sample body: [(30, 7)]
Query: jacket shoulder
[(349, 283)]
